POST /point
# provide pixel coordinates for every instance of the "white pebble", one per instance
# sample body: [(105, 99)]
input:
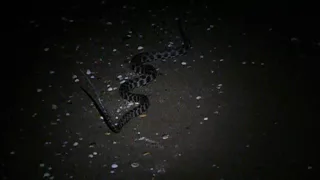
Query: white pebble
[(184, 63), (46, 174), (114, 50), (206, 118), (166, 136), (114, 166), (95, 153), (39, 90), (90, 156), (244, 62), (46, 49), (140, 47), (134, 165), (41, 165), (67, 114), (54, 107), (76, 80), (110, 89), (88, 72), (51, 72), (74, 76), (75, 144), (198, 97)]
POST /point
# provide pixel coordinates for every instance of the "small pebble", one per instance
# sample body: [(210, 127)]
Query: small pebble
[(46, 49), (46, 174), (140, 48), (206, 118), (95, 153), (114, 166), (165, 136), (75, 144), (54, 107), (198, 97), (39, 90), (184, 63), (134, 165)]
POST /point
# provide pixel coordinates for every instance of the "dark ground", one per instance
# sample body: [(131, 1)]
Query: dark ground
[(260, 114)]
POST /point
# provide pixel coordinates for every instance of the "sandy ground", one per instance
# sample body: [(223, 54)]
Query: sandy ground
[(239, 109)]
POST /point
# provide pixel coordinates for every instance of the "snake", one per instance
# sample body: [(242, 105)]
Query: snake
[(146, 74)]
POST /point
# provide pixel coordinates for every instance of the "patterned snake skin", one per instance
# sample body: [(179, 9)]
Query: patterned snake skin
[(147, 73)]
